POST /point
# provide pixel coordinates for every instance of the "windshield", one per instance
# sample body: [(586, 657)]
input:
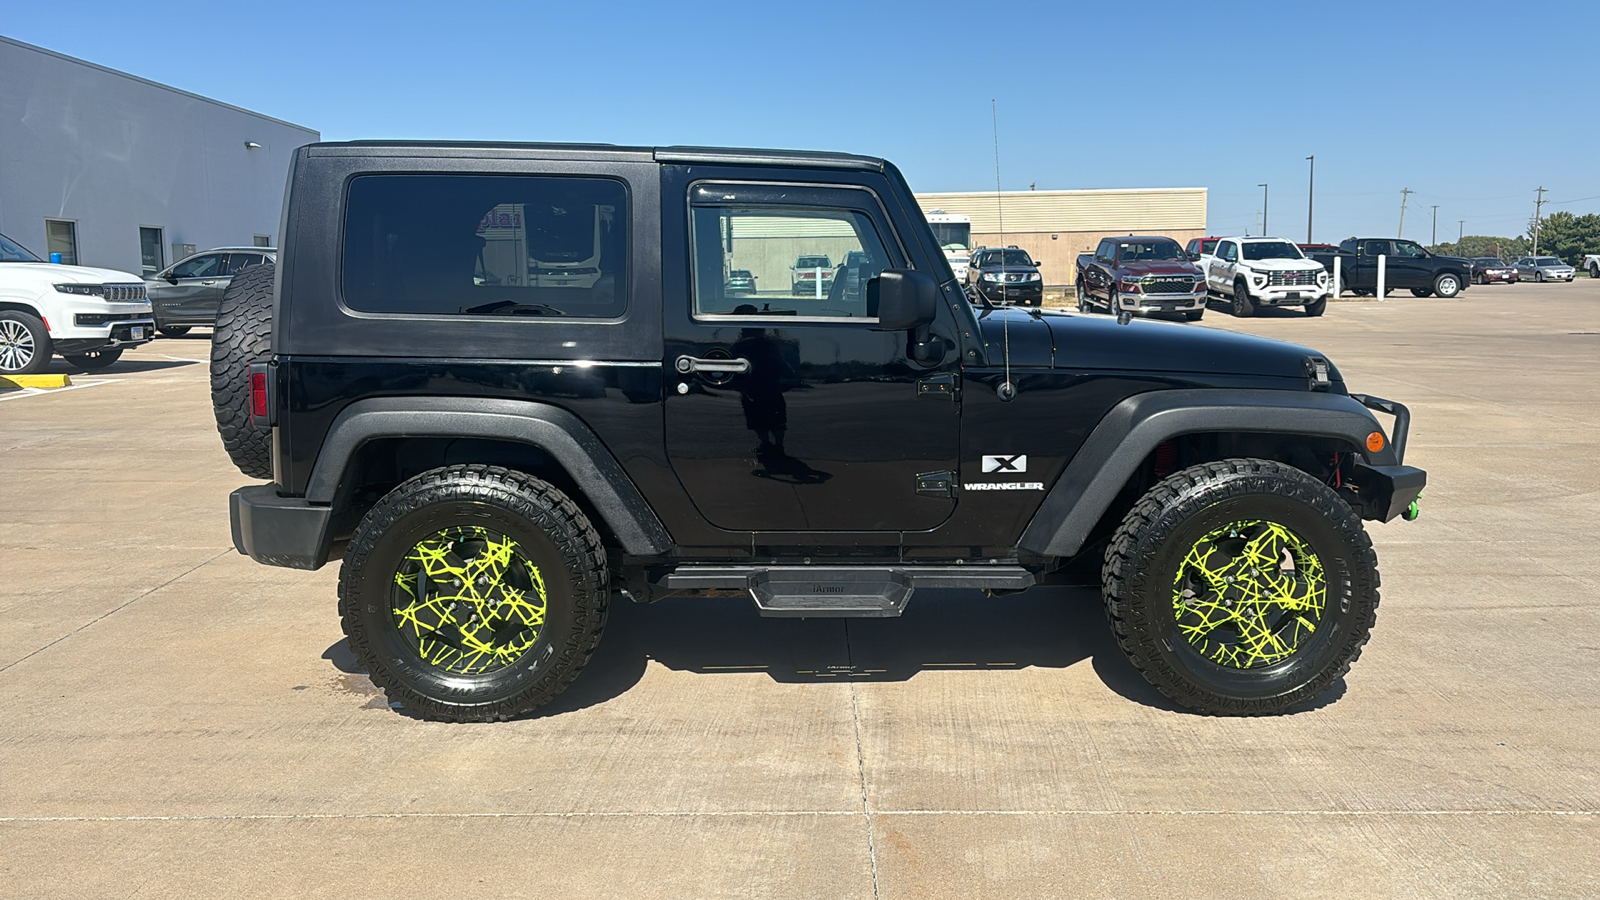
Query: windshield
[(1548, 261), (814, 262), (1010, 258), (1131, 251), (1209, 245), (10, 251), (1489, 261), (1271, 250), (952, 235)]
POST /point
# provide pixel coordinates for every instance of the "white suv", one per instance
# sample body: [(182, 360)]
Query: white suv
[(1263, 271), (86, 315)]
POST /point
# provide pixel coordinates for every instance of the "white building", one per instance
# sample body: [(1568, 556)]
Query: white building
[(108, 169)]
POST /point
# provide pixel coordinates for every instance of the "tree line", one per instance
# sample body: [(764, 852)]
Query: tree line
[(1561, 234)]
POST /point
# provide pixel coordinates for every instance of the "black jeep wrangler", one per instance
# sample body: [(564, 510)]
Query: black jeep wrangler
[(506, 381)]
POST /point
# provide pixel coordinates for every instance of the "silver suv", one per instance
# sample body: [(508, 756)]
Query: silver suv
[(188, 292)]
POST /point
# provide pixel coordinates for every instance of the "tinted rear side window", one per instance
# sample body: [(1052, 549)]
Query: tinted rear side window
[(498, 245)]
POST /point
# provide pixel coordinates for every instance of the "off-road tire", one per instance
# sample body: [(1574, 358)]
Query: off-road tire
[(1446, 285), (547, 527), (1316, 307), (25, 346), (94, 360), (1150, 548), (1242, 307), (241, 337), (174, 331)]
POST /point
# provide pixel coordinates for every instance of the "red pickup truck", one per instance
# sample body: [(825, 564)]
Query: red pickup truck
[(1141, 274)]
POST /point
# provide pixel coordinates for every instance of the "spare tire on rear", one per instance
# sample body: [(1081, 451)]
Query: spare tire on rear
[(242, 336)]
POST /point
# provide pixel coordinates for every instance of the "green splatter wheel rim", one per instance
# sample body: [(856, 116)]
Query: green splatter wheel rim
[(468, 600), (1249, 594)]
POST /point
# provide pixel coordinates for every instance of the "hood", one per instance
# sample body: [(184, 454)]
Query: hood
[(1081, 341), (1009, 270), (1141, 268), (72, 274), (1284, 265)]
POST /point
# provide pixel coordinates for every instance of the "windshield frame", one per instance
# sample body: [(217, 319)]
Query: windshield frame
[(7, 245), (1244, 248)]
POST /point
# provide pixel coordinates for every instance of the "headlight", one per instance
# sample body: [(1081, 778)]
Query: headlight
[(1128, 286), (87, 290), (1032, 276), (1259, 279), (989, 276), (1322, 277)]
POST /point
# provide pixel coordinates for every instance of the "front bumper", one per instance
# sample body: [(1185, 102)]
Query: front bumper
[(279, 531), (1012, 292), (128, 333), (1161, 302), (85, 318), (1289, 295), (1506, 277)]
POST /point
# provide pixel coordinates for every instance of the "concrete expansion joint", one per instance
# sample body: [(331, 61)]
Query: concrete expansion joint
[(861, 767)]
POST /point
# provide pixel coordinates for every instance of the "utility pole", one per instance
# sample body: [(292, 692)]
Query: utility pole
[(1311, 194), (1461, 231), (1263, 207), (1405, 194), (1435, 242), (1537, 206)]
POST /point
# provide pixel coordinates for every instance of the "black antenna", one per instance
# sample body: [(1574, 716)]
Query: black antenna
[(1007, 390)]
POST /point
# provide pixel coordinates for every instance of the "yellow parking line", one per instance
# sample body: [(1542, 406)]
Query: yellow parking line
[(34, 381)]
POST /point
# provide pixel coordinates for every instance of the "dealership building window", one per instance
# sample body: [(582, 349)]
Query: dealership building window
[(62, 237), (150, 251)]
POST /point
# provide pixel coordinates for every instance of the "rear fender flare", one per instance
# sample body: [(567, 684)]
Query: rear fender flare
[(555, 431)]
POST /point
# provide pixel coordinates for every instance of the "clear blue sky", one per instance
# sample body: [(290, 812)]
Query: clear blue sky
[(1471, 105)]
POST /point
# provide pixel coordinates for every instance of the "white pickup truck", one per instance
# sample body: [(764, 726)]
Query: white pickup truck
[(85, 314), (1591, 264), (1263, 271)]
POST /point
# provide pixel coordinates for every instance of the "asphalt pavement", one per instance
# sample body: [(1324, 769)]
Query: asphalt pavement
[(176, 720)]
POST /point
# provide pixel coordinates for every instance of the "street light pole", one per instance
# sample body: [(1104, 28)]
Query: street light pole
[(1311, 194), (1461, 230), (1435, 226), (1263, 207)]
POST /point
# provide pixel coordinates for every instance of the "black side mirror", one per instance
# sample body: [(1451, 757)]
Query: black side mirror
[(906, 299)]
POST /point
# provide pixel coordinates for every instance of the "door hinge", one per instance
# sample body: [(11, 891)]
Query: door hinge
[(943, 385), (937, 484)]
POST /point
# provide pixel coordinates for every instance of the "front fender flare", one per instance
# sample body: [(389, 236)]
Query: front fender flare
[(1133, 428), (557, 432)]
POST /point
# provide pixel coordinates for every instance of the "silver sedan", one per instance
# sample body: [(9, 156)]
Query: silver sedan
[(1544, 268)]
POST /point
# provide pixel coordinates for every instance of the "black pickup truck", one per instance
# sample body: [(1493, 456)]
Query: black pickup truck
[(1407, 264), (506, 383)]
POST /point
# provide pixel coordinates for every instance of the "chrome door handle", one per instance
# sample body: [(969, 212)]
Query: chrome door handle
[(688, 364)]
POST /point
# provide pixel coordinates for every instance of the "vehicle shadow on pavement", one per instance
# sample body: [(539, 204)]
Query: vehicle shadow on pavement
[(940, 630), (121, 367)]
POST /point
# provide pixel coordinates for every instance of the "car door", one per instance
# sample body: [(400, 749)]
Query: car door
[(186, 293), (1366, 275), (1410, 266), (1219, 274), (793, 414), (1100, 275)]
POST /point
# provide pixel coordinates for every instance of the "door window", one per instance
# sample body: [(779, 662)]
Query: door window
[(1375, 249), (207, 265), (1228, 251), (1409, 250), (1103, 252), (62, 237), (806, 262), (151, 249)]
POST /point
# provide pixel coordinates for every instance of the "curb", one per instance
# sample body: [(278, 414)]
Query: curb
[(34, 381)]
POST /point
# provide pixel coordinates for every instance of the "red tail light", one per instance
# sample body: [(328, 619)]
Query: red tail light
[(258, 394)]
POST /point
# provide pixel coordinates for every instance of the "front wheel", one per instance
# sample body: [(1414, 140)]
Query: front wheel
[(25, 346), (1193, 315), (1241, 587), (473, 593), (1447, 285), (1421, 292), (1538, 276), (174, 331), (1594, 271), (1317, 307), (1242, 307), (93, 360)]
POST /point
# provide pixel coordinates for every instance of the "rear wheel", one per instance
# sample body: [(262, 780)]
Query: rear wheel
[(175, 330), (1242, 307), (94, 360), (1241, 587), (1084, 306), (25, 346), (1421, 292), (473, 593), (1447, 285)]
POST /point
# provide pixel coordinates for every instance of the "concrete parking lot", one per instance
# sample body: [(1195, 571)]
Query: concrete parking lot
[(176, 720)]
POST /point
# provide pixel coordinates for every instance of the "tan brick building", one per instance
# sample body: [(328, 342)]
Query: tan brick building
[(1055, 226)]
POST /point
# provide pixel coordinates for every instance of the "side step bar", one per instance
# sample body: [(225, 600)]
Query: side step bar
[(839, 591)]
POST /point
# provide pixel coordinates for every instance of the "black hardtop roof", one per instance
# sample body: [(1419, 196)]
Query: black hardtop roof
[(606, 152), (1143, 237)]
